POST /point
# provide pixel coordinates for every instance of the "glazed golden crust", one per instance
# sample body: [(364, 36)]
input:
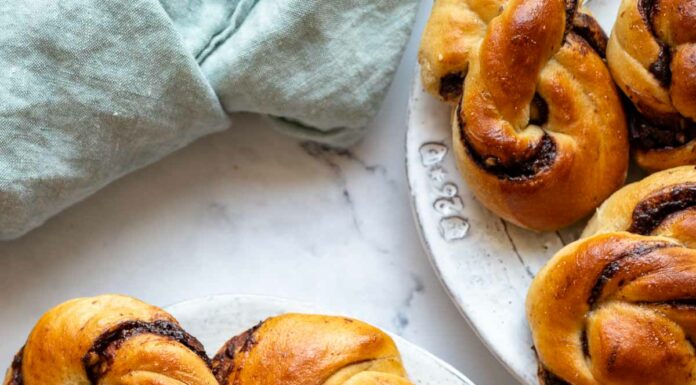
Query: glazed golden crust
[(453, 30), (619, 307), (112, 340), (616, 214), (117, 340), (652, 55), (539, 131), (301, 349)]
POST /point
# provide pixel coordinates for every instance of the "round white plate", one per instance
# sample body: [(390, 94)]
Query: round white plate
[(485, 264), (214, 320)]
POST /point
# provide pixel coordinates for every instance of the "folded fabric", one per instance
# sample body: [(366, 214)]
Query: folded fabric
[(93, 89)]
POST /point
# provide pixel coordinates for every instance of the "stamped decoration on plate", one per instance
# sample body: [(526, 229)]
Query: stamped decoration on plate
[(448, 203)]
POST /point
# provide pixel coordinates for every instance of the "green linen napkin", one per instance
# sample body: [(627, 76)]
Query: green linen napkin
[(93, 89)]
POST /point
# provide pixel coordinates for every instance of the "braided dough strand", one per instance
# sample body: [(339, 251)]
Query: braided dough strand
[(619, 306), (109, 340), (539, 131), (302, 349), (652, 56)]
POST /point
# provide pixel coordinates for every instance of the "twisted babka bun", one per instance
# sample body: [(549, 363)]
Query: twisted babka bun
[(652, 55), (538, 130), (619, 306), (118, 340), (300, 349), (109, 340)]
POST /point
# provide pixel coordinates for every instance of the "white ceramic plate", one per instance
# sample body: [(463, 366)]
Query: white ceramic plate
[(214, 320), (485, 263)]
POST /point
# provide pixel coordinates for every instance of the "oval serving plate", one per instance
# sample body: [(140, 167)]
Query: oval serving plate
[(214, 320), (485, 263)]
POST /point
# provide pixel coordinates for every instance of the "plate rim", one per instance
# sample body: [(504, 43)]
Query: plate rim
[(309, 307), (446, 285)]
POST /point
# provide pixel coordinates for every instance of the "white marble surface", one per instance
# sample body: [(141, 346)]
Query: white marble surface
[(250, 211)]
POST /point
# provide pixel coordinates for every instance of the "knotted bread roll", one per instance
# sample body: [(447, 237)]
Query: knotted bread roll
[(300, 349), (117, 340), (619, 306), (538, 129), (652, 55), (109, 340)]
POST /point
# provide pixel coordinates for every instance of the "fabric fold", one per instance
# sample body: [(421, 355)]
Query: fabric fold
[(93, 89)]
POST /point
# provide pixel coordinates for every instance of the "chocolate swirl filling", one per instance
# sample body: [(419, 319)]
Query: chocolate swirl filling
[(571, 8), (652, 130), (589, 29), (451, 86), (682, 304), (655, 208), (585, 26), (16, 377), (100, 356), (223, 362), (612, 268), (660, 68), (540, 158), (647, 216), (546, 377)]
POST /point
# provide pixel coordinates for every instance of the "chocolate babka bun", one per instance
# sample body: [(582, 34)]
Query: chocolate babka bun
[(109, 339), (536, 109), (652, 55), (300, 349), (623, 298)]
